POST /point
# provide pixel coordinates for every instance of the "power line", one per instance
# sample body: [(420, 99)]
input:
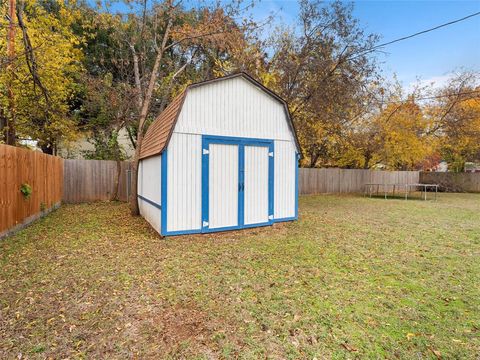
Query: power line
[(373, 48), (434, 97), (426, 31), (447, 95)]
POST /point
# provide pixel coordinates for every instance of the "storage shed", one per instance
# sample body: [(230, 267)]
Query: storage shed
[(222, 156)]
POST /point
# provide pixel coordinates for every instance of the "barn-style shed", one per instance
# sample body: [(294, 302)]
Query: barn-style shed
[(222, 156)]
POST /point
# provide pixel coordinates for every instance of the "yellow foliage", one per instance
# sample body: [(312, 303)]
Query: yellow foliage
[(58, 62), (403, 127)]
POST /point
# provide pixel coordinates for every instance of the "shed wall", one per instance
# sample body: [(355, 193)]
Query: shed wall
[(284, 180), (184, 182), (149, 187), (233, 107)]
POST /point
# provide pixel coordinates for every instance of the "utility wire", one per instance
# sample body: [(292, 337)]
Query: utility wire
[(440, 96), (373, 48), (426, 31), (414, 99)]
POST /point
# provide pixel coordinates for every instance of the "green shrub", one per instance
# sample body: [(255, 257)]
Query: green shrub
[(26, 190)]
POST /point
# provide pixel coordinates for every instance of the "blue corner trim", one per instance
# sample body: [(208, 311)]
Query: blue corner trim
[(297, 159), (158, 206), (205, 182), (164, 175), (141, 177)]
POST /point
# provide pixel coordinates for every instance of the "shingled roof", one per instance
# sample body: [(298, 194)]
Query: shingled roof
[(160, 131)]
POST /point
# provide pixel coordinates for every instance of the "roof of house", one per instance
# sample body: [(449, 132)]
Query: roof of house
[(160, 131)]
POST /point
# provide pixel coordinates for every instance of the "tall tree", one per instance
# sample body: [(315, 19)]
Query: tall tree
[(322, 69), (46, 66), (456, 119), (160, 43)]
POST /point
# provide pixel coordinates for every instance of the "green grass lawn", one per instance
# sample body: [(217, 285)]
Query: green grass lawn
[(353, 278)]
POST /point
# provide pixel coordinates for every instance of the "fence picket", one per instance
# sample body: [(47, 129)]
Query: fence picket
[(93, 180), (22, 166), (334, 180)]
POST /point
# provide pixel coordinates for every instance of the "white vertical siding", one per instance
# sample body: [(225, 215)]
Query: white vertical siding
[(149, 186), (223, 185), (233, 107), (256, 185), (184, 182), (284, 182)]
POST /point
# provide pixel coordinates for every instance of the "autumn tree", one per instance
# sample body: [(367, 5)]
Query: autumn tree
[(46, 69), (456, 118), (394, 132), (155, 45), (322, 70)]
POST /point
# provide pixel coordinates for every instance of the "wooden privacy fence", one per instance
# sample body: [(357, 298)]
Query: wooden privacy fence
[(93, 180), (454, 182), (318, 181), (42, 173), (53, 180)]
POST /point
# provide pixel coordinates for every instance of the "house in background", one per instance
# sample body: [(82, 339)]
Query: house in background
[(472, 166), (76, 149), (442, 166), (223, 155)]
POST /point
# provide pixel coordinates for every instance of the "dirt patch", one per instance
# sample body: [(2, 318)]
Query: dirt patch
[(181, 331), (183, 324)]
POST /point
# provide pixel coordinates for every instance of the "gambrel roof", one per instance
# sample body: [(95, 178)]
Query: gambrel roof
[(160, 131)]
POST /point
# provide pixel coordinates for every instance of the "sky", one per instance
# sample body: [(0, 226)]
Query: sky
[(429, 57)]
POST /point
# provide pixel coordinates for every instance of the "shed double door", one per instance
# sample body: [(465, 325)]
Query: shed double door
[(237, 188)]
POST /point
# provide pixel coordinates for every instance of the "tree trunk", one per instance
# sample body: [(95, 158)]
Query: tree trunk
[(313, 159), (47, 148), (116, 184), (119, 163), (143, 116), (134, 198), (367, 158), (3, 125)]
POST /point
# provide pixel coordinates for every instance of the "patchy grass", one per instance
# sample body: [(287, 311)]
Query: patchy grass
[(354, 278)]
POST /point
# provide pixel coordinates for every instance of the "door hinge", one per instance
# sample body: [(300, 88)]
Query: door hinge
[(270, 154), (205, 224), (206, 151)]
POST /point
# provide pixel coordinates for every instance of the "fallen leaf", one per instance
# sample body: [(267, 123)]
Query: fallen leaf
[(349, 347), (436, 353)]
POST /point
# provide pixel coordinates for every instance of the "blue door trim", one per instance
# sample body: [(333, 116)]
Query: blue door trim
[(241, 142), (241, 180), (271, 182)]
